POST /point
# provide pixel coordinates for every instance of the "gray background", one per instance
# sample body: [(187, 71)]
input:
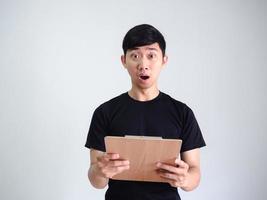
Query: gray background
[(60, 59)]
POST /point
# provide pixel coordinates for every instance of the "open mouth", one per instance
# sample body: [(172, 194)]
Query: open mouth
[(144, 77)]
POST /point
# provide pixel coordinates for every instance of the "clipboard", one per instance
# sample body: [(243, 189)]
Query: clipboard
[(143, 152)]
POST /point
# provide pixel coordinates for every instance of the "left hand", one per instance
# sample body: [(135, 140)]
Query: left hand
[(176, 176)]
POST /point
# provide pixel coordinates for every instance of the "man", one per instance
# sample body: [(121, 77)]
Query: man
[(144, 110)]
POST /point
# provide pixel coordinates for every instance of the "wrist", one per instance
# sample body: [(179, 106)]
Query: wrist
[(97, 179), (192, 179)]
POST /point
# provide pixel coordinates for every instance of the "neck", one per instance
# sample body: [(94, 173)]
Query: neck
[(143, 94)]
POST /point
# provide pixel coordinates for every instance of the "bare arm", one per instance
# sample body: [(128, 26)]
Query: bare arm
[(104, 166), (192, 159), (94, 175), (186, 174)]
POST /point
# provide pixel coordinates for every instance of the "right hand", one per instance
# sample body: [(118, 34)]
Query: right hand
[(110, 164)]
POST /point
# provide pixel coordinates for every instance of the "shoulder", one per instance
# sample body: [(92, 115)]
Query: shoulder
[(112, 103), (182, 109), (179, 105)]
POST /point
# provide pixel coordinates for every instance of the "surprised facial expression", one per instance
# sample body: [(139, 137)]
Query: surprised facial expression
[(144, 65)]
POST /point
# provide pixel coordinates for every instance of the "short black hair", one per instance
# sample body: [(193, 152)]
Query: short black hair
[(141, 35)]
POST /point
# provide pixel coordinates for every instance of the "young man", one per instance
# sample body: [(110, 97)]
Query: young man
[(144, 110)]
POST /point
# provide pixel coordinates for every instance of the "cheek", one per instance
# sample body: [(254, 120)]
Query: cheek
[(157, 71), (132, 71), (132, 67)]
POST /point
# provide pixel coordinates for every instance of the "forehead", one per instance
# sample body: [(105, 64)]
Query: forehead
[(154, 46)]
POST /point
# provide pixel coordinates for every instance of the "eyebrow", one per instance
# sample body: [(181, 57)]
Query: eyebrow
[(148, 48)]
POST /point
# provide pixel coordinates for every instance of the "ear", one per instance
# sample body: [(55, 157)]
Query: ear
[(123, 60), (164, 61)]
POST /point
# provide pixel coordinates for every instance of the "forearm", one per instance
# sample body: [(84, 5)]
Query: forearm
[(192, 179), (95, 178)]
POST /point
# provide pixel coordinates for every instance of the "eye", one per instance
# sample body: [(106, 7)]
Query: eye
[(152, 56), (134, 56)]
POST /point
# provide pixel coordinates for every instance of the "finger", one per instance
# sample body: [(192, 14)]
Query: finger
[(115, 170), (169, 176), (173, 176), (112, 156), (117, 163), (122, 168), (176, 184), (173, 181), (112, 171), (169, 168), (107, 156), (181, 164), (101, 161), (104, 159)]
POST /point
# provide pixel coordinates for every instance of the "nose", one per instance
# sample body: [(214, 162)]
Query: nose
[(143, 64)]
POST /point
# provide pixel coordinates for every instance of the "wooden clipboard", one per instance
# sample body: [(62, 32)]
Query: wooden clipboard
[(143, 152)]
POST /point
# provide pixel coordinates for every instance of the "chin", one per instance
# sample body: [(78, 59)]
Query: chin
[(145, 86)]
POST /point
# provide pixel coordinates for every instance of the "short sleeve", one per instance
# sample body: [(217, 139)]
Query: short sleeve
[(191, 133), (98, 130)]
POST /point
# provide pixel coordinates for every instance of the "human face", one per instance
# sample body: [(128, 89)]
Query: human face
[(144, 65)]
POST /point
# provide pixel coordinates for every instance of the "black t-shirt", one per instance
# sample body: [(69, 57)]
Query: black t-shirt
[(162, 116)]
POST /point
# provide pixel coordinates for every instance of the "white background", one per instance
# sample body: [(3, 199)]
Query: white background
[(59, 60)]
